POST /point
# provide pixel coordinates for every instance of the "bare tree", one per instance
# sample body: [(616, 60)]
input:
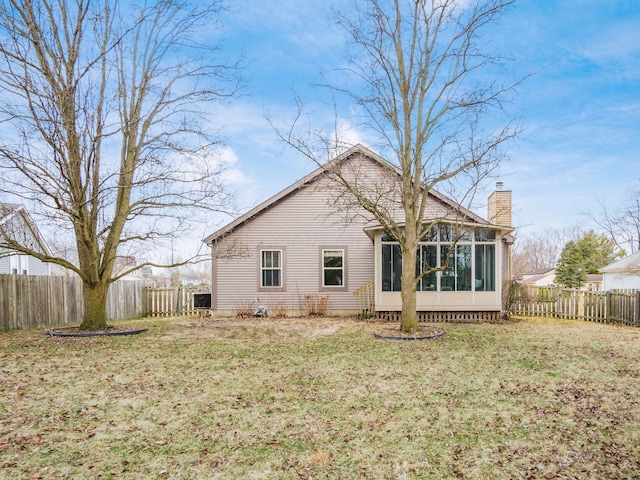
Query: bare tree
[(622, 223), (104, 112), (418, 76), (540, 249)]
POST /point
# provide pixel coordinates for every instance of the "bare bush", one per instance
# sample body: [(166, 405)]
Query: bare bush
[(313, 304), (279, 308), (243, 308)]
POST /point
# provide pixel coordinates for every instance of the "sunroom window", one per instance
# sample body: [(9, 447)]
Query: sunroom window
[(485, 277), (426, 260), (470, 266), (457, 276), (391, 268)]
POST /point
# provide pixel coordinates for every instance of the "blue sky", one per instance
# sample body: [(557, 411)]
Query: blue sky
[(580, 111)]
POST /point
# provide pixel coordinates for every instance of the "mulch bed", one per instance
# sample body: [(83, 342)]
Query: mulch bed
[(109, 331), (423, 333)]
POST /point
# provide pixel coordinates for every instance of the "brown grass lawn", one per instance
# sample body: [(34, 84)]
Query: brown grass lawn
[(322, 398)]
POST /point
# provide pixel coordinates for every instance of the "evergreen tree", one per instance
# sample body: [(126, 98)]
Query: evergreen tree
[(598, 251), (571, 271), (587, 255)]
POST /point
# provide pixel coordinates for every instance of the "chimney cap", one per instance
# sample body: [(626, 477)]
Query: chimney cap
[(499, 185)]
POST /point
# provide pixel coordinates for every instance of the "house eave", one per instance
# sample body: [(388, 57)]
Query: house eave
[(623, 271), (504, 231), (18, 209)]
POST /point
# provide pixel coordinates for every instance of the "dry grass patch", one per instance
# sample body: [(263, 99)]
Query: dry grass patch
[(286, 328), (322, 398)]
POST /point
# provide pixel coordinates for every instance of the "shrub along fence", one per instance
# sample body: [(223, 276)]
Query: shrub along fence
[(30, 301), (604, 307)]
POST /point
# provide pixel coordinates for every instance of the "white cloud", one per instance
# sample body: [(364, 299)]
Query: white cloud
[(231, 174)]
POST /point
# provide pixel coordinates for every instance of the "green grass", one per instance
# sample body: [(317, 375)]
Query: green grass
[(322, 398)]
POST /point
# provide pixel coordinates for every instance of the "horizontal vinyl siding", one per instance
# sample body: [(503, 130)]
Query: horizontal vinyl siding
[(37, 267), (5, 265), (300, 226)]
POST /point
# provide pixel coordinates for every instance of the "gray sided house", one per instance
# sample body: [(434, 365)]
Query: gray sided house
[(309, 241), (16, 224), (623, 274)]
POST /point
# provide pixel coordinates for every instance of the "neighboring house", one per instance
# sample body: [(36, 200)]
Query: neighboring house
[(541, 277), (191, 280), (623, 274), (544, 277), (297, 245), (16, 224), (143, 274), (594, 282)]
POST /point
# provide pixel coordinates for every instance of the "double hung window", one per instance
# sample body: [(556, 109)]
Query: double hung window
[(270, 268), (333, 268)]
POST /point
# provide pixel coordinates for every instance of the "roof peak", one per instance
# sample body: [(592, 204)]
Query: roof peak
[(322, 169)]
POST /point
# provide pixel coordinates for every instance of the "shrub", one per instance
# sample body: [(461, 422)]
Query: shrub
[(279, 308), (313, 304), (243, 309)]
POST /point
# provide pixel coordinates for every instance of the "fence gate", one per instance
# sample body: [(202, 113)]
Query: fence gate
[(176, 301)]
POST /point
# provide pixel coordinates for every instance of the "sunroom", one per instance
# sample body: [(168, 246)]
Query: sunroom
[(459, 268)]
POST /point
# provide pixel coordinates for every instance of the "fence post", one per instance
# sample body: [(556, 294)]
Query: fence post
[(607, 307), (559, 307), (580, 311), (177, 306), (636, 321)]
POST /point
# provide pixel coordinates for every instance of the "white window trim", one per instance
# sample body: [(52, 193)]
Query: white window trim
[(281, 287), (333, 288), (19, 263), (453, 265)]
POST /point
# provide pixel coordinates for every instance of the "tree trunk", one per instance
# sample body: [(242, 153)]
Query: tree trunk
[(409, 315), (95, 307)]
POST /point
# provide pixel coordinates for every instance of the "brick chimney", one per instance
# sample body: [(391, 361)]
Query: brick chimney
[(499, 208)]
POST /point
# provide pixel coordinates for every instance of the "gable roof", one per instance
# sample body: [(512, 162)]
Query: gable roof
[(313, 176), (7, 210), (10, 210), (539, 271), (629, 264)]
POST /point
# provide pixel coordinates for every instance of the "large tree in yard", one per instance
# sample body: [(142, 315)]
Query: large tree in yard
[(422, 84), (104, 108)]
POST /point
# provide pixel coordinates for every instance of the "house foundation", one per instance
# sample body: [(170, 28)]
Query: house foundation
[(444, 317)]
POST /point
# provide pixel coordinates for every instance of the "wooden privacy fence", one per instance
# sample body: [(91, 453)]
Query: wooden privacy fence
[(126, 300), (171, 301), (30, 301), (605, 307)]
